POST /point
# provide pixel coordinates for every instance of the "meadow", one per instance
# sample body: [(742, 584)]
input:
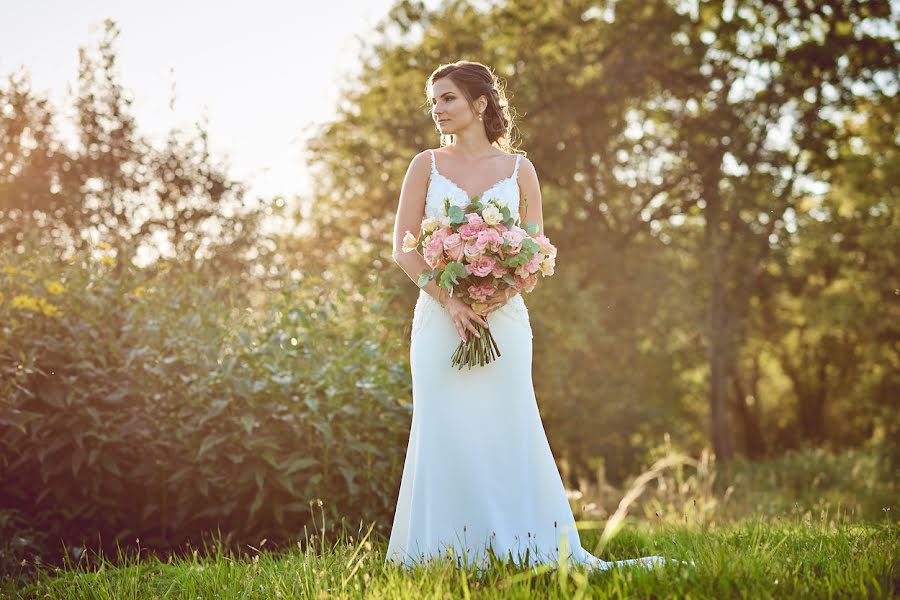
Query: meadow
[(820, 540)]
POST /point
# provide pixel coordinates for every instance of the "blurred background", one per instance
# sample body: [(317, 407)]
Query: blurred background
[(202, 328)]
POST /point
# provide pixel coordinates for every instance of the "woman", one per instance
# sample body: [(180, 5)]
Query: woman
[(479, 473)]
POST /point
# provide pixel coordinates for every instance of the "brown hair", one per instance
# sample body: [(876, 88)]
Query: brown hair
[(474, 80)]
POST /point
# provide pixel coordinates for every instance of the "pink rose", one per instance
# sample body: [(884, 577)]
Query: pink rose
[(441, 234), (530, 282), (481, 266), (472, 251), (481, 293), (480, 243), (499, 270), (546, 247), (515, 240), (534, 264), (452, 240), (433, 251), (453, 245), (470, 231), (490, 237), (474, 219)]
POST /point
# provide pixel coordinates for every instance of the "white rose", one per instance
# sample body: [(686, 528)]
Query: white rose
[(444, 220), (547, 266), (491, 215), (430, 224)]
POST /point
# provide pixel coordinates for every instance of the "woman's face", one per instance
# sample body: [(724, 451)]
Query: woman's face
[(449, 109)]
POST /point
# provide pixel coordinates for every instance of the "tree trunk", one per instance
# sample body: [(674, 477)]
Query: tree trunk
[(719, 344), (754, 444)]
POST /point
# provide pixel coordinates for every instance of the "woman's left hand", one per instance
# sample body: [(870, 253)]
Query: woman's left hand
[(500, 300)]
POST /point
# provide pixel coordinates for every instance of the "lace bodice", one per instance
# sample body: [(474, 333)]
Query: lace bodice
[(507, 191)]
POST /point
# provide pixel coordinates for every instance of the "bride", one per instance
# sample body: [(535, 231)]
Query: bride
[(479, 476)]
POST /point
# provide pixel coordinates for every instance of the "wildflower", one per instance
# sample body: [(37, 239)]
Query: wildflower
[(107, 260), (138, 291), (104, 246), (26, 302), (10, 269), (47, 308), (54, 287)]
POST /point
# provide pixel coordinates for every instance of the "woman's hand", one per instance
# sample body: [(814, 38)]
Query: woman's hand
[(500, 300), (464, 317)]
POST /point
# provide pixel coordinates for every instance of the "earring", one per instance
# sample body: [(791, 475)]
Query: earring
[(481, 116)]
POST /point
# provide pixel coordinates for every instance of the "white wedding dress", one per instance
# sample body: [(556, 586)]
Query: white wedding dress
[(479, 472)]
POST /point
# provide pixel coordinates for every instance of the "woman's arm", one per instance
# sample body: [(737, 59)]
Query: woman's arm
[(410, 213), (530, 189)]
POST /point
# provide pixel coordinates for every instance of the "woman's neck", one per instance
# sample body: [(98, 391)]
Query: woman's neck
[(472, 148)]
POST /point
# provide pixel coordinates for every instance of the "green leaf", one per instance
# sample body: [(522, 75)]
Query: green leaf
[(453, 272), (456, 215), (300, 463), (257, 501), (349, 473), (287, 484), (210, 441)]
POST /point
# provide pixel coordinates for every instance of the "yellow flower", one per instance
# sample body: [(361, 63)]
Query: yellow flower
[(54, 287), (10, 270), (107, 260), (26, 302), (104, 246), (139, 291), (29, 273), (48, 309)]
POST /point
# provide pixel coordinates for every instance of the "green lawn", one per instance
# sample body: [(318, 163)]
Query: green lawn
[(750, 559)]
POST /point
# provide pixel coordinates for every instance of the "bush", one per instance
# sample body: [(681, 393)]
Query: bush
[(153, 403)]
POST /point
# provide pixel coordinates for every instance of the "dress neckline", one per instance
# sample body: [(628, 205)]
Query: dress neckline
[(464, 192)]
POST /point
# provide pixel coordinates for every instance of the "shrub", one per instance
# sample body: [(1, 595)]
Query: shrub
[(154, 403)]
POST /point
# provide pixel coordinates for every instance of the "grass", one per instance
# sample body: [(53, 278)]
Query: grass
[(753, 559), (806, 525)]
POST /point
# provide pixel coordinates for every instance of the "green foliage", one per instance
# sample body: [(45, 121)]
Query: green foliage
[(681, 150), (456, 215), (755, 559), (160, 403), (452, 273), (425, 276), (115, 184)]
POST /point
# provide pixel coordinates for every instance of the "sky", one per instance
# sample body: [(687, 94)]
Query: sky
[(261, 72)]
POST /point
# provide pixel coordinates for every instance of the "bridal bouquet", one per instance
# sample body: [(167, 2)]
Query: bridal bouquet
[(478, 252)]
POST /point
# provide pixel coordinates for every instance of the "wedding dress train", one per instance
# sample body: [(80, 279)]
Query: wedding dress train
[(479, 472)]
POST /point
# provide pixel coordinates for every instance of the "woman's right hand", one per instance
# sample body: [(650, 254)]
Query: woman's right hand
[(464, 318)]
